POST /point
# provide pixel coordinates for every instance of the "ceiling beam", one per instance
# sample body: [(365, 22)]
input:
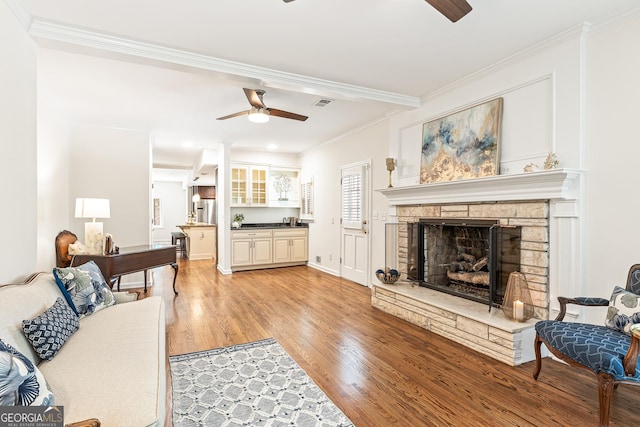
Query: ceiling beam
[(50, 31)]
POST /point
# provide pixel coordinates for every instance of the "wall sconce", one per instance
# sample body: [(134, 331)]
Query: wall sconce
[(391, 166), (93, 235), (517, 304)]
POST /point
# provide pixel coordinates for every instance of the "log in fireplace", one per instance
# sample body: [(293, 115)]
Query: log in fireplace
[(471, 259)]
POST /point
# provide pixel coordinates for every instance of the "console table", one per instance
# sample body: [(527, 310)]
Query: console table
[(132, 259)]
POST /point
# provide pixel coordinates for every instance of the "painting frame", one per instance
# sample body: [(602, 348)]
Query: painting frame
[(462, 145)]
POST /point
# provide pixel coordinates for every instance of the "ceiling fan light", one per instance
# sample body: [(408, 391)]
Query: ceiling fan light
[(258, 115)]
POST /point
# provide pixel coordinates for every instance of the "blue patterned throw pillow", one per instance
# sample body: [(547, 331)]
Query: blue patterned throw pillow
[(48, 332), (624, 310), (84, 288), (21, 382)]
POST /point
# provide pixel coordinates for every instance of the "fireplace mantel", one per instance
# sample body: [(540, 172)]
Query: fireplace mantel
[(554, 184)]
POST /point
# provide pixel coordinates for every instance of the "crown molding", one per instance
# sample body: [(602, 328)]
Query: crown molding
[(46, 30), (20, 12), (569, 34)]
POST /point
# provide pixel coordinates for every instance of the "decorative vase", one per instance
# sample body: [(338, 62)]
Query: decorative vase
[(235, 224)]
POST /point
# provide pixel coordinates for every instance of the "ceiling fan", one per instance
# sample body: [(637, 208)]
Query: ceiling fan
[(452, 9), (259, 113)]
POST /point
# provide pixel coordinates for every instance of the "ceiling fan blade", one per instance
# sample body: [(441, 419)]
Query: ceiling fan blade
[(254, 97), (287, 1), (452, 9), (286, 114), (230, 116)]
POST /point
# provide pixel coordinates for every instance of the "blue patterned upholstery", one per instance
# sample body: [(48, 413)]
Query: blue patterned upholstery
[(633, 282), (592, 301), (596, 347)]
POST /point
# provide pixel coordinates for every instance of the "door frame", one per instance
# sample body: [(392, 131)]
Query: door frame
[(367, 194)]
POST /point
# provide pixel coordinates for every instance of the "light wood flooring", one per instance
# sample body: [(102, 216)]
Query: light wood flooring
[(380, 370)]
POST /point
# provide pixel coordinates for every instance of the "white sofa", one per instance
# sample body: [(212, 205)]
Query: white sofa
[(112, 368)]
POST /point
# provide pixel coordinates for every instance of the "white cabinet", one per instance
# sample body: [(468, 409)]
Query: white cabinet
[(290, 245), (251, 247), (267, 248), (201, 241), (249, 185), (284, 187)]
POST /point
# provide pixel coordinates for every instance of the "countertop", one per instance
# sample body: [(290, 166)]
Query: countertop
[(199, 224), (251, 226)]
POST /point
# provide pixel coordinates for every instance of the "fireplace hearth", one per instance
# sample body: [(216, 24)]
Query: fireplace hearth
[(470, 259)]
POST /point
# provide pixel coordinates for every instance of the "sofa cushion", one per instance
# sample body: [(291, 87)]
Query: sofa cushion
[(21, 382), (128, 385), (48, 332), (624, 310), (84, 288), (25, 301), (599, 348)]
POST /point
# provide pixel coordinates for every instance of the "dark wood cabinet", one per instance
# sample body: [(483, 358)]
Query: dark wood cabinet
[(207, 192)]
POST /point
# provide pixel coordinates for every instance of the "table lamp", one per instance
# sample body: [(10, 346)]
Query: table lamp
[(93, 236)]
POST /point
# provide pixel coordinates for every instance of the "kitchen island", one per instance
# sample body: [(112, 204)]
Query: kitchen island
[(201, 240)]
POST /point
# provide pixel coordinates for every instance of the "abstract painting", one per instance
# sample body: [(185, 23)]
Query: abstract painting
[(462, 145)]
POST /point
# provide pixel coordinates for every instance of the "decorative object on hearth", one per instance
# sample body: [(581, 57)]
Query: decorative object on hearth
[(531, 167), (517, 304), (282, 185), (237, 220), (462, 145), (551, 162), (391, 165), (388, 276), (93, 208)]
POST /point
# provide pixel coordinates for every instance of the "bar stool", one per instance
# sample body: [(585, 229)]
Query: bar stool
[(179, 239)]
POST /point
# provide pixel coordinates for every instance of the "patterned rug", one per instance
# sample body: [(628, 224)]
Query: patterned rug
[(252, 384)]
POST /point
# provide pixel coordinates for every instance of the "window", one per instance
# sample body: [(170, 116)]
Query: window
[(306, 200), (157, 213), (351, 199)]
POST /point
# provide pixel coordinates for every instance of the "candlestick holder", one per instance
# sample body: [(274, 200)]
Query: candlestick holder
[(517, 303), (391, 165)]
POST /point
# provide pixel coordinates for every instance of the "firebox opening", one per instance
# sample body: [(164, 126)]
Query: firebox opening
[(469, 259)]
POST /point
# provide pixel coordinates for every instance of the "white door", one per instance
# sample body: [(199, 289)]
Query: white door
[(355, 223)]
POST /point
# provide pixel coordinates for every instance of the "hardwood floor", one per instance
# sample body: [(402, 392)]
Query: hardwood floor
[(380, 370)]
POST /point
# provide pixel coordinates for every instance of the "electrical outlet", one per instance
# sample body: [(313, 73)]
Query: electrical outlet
[(318, 259), (383, 216), (330, 257)]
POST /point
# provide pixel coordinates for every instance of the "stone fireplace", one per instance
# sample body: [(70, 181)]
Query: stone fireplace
[(469, 258), (538, 212)]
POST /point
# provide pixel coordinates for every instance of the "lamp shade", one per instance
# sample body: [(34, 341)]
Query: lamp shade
[(92, 208)]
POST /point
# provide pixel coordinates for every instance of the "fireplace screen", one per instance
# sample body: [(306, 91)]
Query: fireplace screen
[(470, 259)]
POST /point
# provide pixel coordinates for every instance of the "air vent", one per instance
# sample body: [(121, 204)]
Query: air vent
[(322, 102)]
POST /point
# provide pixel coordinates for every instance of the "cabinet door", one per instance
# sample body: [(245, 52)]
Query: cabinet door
[(240, 252), (281, 249), (262, 251), (239, 183), (299, 250), (258, 186)]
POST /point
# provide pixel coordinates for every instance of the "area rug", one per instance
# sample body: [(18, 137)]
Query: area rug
[(252, 384)]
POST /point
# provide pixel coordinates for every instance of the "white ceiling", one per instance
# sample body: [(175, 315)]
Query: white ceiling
[(171, 68)]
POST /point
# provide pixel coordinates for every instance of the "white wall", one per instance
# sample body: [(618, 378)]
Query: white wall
[(18, 175), (173, 205), (613, 155), (114, 164), (323, 164)]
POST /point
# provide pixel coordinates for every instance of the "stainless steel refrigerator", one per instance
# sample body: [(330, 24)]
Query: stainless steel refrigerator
[(205, 210)]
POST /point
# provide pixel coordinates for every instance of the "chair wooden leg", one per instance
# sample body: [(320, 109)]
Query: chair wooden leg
[(606, 385), (536, 346)]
